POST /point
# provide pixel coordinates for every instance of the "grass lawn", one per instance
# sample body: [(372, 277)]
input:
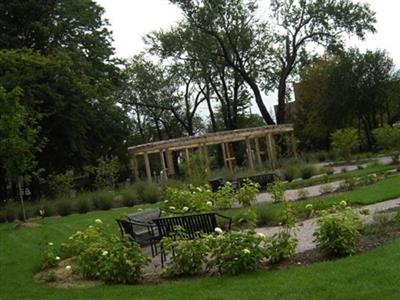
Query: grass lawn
[(367, 276), (371, 275), (270, 213)]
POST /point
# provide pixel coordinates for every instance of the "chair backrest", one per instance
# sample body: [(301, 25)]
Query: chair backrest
[(126, 227), (194, 225), (145, 216)]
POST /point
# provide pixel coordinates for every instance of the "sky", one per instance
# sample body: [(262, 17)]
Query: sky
[(131, 19)]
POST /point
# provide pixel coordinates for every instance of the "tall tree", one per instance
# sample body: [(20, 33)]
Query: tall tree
[(240, 39), (19, 139), (298, 24)]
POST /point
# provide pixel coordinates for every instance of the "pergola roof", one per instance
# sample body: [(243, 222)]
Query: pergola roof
[(211, 139)]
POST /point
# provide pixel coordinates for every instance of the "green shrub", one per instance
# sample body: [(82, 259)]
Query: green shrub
[(130, 197), (50, 257), (277, 191), (321, 156), (290, 172), (281, 246), (64, 207), (302, 194), (236, 252), (338, 232), (104, 256), (103, 200), (11, 213), (247, 194), (388, 138), (249, 217), (3, 217), (344, 141), (188, 199), (307, 171), (46, 209), (190, 256), (83, 205), (148, 192), (225, 196)]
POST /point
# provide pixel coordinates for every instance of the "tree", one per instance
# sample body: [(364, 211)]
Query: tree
[(240, 40), (345, 141), (19, 139), (301, 23), (388, 138)]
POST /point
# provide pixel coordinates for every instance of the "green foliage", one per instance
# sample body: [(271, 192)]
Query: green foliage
[(236, 252), (106, 172), (247, 194), (290, 172), (248, 217), (277, 191), (388, 138), (130, 197), (50, 257), (345, 141), (103, 199), (149, 192), (195, 168), (83, 205), (188, 199), (60, 184), (64, 207), (104, 256), (190, 256), (224, 196), (308, 170), (338, 231)]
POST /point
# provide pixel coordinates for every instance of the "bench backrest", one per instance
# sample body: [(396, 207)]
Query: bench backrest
[(145, 216), (193, 225)]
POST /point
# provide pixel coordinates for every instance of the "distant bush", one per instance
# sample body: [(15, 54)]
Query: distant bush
[(130, 197), (149, 192), (308, 171), (103, 200), (3, 217), (388, 138), (83, 205), (64, 207), (290, 172), (11, 213), (344, 141)]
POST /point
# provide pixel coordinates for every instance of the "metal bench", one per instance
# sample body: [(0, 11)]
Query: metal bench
[(194, 225)]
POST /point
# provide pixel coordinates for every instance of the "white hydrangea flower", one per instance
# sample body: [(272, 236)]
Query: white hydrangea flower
[(185, 208), (68, 268), (261, 235), (218, 230), (343, 203), (98, 221), (166, 201), (246, 251), (105, 252), (51, 244), (309, 206), (209, 203), (171, 208), (57, 258)]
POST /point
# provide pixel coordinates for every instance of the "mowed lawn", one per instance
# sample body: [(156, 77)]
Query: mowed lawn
[(372, 275)]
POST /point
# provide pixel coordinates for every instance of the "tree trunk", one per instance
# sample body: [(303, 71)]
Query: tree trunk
[(21, 199), (281, 113)]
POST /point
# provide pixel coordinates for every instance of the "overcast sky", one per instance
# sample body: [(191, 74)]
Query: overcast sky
[(131, 19)]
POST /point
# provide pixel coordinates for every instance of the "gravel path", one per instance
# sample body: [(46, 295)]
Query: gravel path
[(306, 228)]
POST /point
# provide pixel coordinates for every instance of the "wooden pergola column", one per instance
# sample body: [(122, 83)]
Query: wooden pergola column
[(205, 155), (249, 153), (187, 155), (224, 155), (170, 162), (258, 153), (147, 165), (271, 151), (164, 167), (135, 167)]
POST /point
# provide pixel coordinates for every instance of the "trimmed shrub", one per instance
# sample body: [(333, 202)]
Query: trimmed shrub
[(129, 197), (64, 207), (148, 192), (83, 205), (290, 172), (11, 213), (103, 200), (308, 171)]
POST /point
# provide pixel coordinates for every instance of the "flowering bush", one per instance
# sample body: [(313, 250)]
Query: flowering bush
[(277, 191), (225, 196), (338, 231), (190, 256), (247, 193), (50, 258), (103, 256), (188, 199), (236, 252)]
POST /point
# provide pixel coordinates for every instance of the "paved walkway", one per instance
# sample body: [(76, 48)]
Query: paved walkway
[(307, 228)]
